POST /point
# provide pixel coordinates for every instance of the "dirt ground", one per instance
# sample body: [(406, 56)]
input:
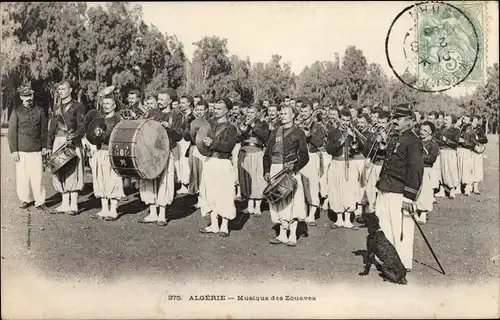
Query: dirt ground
[(464, 233)]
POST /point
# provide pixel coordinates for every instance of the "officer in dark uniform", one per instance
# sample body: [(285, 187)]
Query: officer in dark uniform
[(399, 184)]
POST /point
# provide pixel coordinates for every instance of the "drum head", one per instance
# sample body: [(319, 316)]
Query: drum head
[(204, 132), (196, 124), (91, 136), (152, 148)]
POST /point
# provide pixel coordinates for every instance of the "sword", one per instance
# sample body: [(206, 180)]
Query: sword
[(428, 244)]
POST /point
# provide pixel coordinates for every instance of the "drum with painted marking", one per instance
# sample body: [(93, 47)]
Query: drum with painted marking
[(139, 148)]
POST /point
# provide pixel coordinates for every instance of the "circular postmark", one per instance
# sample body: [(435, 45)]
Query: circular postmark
[(432, 46)]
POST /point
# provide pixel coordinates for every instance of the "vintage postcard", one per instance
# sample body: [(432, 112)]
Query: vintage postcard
[(250, 160)]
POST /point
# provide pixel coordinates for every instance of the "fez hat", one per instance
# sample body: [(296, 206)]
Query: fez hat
[(227, 102), (25, 90), (402, 110)]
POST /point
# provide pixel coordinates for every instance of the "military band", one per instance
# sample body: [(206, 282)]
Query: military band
[(348, 161)]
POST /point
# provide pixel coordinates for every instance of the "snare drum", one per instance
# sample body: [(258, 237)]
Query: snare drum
[(139, 148), (61, 158), (282, 187)]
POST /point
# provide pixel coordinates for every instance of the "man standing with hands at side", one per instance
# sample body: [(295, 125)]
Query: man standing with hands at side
[(399, 185), (27, 138)]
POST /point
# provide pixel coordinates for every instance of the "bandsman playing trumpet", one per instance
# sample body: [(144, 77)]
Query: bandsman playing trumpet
[(253, 135), (464, 155), (159, 193), (343, 175), (374, 151), (313, 170)]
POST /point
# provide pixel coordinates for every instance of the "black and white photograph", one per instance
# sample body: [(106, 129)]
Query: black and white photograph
[(250, 160)]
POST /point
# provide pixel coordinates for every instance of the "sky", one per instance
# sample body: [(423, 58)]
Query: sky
[(301, 32)]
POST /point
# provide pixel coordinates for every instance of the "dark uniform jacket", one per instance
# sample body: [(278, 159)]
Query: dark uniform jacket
[(186, 126), (110, 122), (294, 148), (336, 147), (431, 151), (316, 137), (403, 167), (225, 137), (27, 129), (452, 135), (175, 120), (259, 134), (68, 119)]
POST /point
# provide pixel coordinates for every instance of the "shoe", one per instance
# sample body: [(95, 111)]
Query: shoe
[(43, 208), (275, 241), (207, 230), (224, 234), (96, 216), (291, 243), (25, 205), (72, 212), (111, 218), (162, 223), (142, 220)]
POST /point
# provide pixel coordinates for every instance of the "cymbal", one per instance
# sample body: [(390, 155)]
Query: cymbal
[(89, 117), (196, 124), (106, 91), (203, 132), (97, 122)]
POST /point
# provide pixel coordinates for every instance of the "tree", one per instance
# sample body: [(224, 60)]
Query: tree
[(210, 66), (353, 72), (273, 80)]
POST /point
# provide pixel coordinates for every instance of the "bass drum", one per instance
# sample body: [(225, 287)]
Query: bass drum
[(139, 148)]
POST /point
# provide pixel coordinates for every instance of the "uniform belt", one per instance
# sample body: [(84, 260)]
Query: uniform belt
[(221, 155), (340, 158), (252, 144)]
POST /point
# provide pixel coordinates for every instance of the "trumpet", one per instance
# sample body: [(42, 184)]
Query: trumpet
[(246, 124)]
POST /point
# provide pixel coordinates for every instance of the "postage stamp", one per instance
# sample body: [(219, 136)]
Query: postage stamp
[(434, 46)]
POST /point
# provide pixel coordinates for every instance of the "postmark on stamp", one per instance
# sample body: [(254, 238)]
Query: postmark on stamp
[(434, 46)]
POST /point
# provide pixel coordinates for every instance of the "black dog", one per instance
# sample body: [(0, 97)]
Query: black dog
[(392, 268)]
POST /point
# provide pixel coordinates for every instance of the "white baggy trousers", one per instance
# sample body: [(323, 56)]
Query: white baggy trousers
[(393, 222), (29, 172)]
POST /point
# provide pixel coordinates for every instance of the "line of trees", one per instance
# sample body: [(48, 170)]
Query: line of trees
[(43, 43)]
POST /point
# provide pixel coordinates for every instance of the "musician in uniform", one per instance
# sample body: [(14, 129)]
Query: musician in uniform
[(253, 136), (399, 184), (425, 200), (374, 150), (332, 121), (479, 139), (287, 149), (313, 170), (272, 117), (135, 109), (448, 142), (237, 118), (108, 185), (186, 109), (27, 138), (437, 135), (464, 155), (196, 159), (218, 200), (159, 193), (67, 128), (359, 159), (343, 174)]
